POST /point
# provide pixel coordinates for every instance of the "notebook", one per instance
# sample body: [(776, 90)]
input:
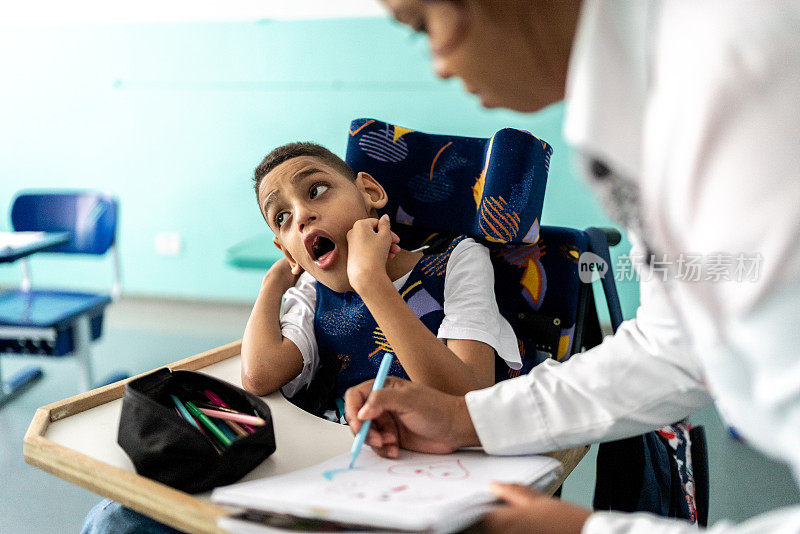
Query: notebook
[(414, 493)]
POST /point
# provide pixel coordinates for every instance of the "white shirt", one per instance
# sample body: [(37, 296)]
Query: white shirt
[(698, 102), (470, 311)]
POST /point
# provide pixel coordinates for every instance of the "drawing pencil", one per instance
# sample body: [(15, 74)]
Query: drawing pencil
[(192, 421), (237, 417), (208, 423), (184, 413), (358, 442), (231, 435), (237, 428), (218, 402)]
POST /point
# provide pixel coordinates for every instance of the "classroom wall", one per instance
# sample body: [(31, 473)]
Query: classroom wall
[(174, 117)]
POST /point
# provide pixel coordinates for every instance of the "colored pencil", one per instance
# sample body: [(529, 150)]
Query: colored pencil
[(237, 417), (192, 421), (237, 428), (217, 401), (358, 442), (182, 410), (208, 423)]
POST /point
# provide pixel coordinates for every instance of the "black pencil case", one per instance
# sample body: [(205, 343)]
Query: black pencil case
[(165, 447)]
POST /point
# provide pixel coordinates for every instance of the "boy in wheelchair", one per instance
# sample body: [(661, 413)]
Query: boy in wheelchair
[(352, 294)]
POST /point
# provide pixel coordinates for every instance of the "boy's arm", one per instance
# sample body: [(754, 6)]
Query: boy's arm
[(456, 368), (269, 360)]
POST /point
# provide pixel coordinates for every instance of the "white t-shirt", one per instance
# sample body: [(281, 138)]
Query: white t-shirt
[(470, 311)]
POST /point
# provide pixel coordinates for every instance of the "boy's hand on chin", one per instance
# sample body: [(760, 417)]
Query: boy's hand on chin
[(370, 244), (280, 275)]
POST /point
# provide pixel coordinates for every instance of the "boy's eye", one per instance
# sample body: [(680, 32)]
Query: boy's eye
[(317, 190), (280, 218)]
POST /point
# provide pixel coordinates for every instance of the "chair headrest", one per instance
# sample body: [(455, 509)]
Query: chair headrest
[(489, 188)]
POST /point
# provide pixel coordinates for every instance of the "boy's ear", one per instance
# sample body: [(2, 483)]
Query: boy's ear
[(374, 194), (296, 269)]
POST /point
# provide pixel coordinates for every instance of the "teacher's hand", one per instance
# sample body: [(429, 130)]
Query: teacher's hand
[(409, 416), (530, 512)]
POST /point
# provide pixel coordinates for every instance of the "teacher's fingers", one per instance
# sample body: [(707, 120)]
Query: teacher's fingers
[(383, 433), (391, 398), (383, 436), (515, 494), (387, 451), (354, 399), (386, 440), (501, 520), (526, 507)]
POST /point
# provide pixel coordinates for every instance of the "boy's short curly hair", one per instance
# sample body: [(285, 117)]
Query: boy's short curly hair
[(293, 150)]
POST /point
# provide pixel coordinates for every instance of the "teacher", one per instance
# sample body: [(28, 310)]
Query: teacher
[(686, 119)]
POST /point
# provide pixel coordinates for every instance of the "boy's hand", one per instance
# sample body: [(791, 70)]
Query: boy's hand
[(280, 276), (370, 244)]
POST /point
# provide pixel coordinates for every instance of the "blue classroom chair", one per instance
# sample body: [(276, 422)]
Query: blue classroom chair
[(442, 186), (56, 322)]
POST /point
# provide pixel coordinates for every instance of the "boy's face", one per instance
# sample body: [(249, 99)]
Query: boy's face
[(311, 206)]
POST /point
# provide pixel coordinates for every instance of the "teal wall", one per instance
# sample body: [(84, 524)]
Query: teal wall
[(174, 117)]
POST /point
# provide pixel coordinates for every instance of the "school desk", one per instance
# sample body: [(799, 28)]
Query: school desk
[(75, 439), (15, 246)]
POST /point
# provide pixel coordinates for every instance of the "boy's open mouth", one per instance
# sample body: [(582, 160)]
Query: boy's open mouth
[(321, 246), (322, 250)]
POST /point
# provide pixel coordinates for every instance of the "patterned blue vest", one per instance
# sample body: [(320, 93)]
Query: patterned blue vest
[(350, 340)]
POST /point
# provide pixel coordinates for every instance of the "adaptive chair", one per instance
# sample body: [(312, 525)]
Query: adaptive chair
[(54, 322), (442, 186)]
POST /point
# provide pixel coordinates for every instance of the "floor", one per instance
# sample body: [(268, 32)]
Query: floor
[(142, 334)]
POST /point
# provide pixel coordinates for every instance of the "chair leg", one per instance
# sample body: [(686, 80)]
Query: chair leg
[(83, 353), (18, 383)]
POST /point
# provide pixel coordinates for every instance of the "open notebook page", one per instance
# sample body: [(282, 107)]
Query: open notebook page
[(416, 492)]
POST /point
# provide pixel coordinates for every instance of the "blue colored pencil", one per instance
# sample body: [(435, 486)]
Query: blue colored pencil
[(358, 442), (184, 412)]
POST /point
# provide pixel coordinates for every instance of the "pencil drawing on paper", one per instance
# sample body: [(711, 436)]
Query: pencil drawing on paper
[(380, 491), (444, 470)]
